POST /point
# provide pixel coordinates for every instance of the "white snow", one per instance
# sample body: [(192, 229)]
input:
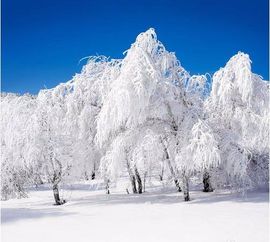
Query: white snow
[(157, 215)]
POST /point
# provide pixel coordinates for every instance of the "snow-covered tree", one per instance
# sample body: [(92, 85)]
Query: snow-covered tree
[(238, 112), (89, 88), (143, 116), (148, 94), (53, 142), (200, 154), (16, 144)]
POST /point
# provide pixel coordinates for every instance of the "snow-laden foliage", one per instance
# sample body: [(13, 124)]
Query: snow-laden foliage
[(89, 89), (202, 151), (148, 73), (53, 141), (143, 117), (148, 96), (16, 144), (238, 112)]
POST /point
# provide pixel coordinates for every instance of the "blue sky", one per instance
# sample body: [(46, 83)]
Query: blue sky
[(42, 41)]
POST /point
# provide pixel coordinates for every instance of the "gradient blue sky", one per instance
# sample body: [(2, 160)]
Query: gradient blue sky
[(42, 41)]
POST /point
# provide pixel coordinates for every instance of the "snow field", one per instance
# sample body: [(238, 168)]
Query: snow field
[(154, 216)]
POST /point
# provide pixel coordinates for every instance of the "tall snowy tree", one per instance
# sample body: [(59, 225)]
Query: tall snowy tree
[(83, 105), (53, 140), (238, 111), (148, 94)]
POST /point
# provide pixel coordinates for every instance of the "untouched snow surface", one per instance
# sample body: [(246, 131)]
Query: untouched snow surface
[(157, 215)]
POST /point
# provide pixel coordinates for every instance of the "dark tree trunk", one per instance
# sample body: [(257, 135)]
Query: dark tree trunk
[(93, 175), (207, 187), (186, 196), (176, 181), (161, 173), (132, 178), (57, 199), (186, 189), (139, 181), (107, 187), (133, 184)]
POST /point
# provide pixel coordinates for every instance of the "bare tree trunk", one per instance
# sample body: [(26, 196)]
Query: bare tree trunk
[(207, 187), (133, 184), (186, 188), (161, 173), (176, 181), (139, 181), (57, 177), (93, 175), (57, 199), (132, 178), (107, 187), (177, 184)]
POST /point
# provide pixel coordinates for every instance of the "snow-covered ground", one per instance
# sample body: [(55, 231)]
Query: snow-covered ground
[(157, 215)]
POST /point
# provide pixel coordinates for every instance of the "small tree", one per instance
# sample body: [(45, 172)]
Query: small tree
[(200, 154), (53, 140)]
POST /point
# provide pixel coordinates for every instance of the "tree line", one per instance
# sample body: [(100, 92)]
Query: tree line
[(144, 117)]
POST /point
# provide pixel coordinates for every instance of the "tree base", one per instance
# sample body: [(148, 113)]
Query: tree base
[(186, 198), (60, 203), (208, 190), (207, 187)]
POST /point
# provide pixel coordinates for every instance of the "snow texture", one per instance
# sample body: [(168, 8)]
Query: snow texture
[(158, 215)]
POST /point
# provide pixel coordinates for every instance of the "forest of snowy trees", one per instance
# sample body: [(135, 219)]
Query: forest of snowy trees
[(142, 117)]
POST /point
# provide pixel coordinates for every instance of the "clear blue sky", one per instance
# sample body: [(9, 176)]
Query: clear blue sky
[(42, 41)]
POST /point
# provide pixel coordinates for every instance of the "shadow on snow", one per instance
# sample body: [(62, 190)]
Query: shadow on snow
[(16, 214)]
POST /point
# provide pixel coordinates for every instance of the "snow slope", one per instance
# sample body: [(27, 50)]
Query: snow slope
[(157, 215)]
